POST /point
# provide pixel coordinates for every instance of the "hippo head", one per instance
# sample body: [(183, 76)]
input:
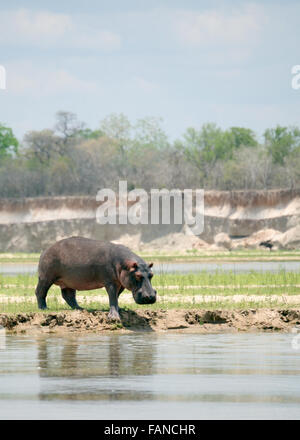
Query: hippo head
[(137, 279)]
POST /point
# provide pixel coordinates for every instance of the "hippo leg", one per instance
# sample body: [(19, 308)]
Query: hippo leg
[(120, 291), (113, 314), (69, 295), (41, 293)]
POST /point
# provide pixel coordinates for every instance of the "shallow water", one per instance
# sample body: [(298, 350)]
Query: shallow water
[(149, 376), (247, 266)]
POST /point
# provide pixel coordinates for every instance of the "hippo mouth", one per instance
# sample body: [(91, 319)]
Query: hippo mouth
[(141, 298)]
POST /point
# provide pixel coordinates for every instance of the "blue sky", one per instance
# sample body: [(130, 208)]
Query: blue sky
[(189, 62)]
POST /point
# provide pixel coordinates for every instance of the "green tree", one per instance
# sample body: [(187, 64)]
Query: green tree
[(68, 127), (8, 142), (210, 143), (117, 127), (237, 137), (204, 145), (87, 134), (281, 142), (41, 146), (149, 133)]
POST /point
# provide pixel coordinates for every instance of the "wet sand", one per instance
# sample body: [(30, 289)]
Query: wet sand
[(199, 321)]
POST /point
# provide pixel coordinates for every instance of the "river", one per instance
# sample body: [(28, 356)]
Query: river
[(240, 266), (149, 376)]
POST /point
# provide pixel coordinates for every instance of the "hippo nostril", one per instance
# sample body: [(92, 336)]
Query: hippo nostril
[(141, 297)]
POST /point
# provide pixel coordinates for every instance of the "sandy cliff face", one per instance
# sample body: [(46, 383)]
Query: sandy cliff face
[(241, 213), (34, 223)]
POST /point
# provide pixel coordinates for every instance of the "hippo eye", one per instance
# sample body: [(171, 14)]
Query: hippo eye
[(150, 275), (138, 276)]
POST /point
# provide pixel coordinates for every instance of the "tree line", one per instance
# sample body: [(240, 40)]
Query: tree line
[(72, 159)]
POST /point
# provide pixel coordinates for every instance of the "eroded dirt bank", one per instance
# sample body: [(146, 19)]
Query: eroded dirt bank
[(200, 321), (33, 224)]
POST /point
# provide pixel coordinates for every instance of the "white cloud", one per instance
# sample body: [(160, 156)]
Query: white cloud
[(42, 29), (24, 80), (33, 27), (217, 27)]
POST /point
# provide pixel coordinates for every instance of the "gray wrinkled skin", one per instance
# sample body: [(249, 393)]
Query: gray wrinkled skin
[(79, 263)]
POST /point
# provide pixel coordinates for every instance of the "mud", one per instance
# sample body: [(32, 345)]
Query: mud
[(200, 321)]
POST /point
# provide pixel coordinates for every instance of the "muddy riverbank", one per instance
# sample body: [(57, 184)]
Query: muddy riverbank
[(200, 321)]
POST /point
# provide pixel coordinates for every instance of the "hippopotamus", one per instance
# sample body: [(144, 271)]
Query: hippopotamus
[(79, 263)]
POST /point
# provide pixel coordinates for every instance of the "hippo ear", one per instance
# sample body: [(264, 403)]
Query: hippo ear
[(150, 265), (131, 265)]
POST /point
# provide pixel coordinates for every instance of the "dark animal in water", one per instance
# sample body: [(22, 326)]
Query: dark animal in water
[(79, 263)]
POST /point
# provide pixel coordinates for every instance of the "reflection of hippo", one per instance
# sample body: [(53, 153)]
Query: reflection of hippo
[(79, 263)]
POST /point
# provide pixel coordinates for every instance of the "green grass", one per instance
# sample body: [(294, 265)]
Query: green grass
[(19, 257), (227, 278), (218, 281), (181, 295)]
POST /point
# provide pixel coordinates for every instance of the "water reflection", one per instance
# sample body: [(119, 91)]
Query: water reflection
[(108, 356), (146, 375), (98, 364)]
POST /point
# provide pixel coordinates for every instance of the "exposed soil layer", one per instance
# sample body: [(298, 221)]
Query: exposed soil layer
[(243, 218), (200, 321)]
